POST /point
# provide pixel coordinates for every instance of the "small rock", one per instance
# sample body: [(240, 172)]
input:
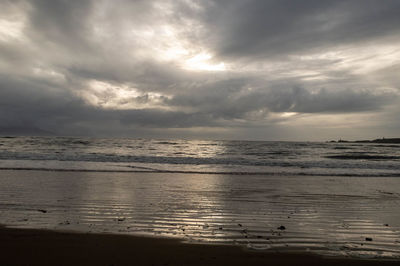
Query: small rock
[(220, 228), (43, 211), (240, 225), (368, 239), (281, 227), (121, 219), (386, 224)]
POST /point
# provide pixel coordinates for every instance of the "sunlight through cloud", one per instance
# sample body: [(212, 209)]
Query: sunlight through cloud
[(203, 61), (119, 96)]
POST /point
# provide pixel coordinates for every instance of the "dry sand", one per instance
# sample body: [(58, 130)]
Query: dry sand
[(41, 247)]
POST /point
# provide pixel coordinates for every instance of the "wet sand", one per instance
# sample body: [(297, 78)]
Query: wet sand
[(334, 216), (43, 247)]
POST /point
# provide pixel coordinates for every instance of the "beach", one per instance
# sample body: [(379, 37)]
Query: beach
[(337, 217), (195, 202), (189, 132), (42, 247)]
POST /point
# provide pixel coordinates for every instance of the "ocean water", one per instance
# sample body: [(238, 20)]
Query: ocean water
[(338, 199), (194, 156)]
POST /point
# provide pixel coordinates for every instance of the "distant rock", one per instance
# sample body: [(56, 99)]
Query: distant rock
[(281, 227)]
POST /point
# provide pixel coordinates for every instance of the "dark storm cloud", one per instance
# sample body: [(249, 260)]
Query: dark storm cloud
[(41, 107), (280, 27), (304, 57), (237, 102), (60, 112)]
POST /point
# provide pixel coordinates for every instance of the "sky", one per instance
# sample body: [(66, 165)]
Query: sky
[(205, 69)]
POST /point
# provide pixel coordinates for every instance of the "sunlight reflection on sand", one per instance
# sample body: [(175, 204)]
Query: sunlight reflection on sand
[(327, 215)]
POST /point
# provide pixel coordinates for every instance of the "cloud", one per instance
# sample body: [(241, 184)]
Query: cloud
[(237, 99), (146, 67), (251, 28)]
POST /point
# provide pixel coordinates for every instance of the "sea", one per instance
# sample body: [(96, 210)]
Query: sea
[(330, 198), (202, 157)]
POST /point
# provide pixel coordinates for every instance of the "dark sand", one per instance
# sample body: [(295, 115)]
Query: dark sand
[(42, 247)]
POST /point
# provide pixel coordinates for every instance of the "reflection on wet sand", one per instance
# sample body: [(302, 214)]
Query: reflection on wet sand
[(334, 216)]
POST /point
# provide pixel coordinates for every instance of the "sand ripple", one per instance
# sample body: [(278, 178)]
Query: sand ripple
[(353, 216)]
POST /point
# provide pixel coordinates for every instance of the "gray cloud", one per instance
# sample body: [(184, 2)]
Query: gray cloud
[(236, 100), (254, 28), (146, 67)]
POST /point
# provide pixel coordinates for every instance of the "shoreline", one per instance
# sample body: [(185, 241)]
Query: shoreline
[(47, 247), (215, 209)]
